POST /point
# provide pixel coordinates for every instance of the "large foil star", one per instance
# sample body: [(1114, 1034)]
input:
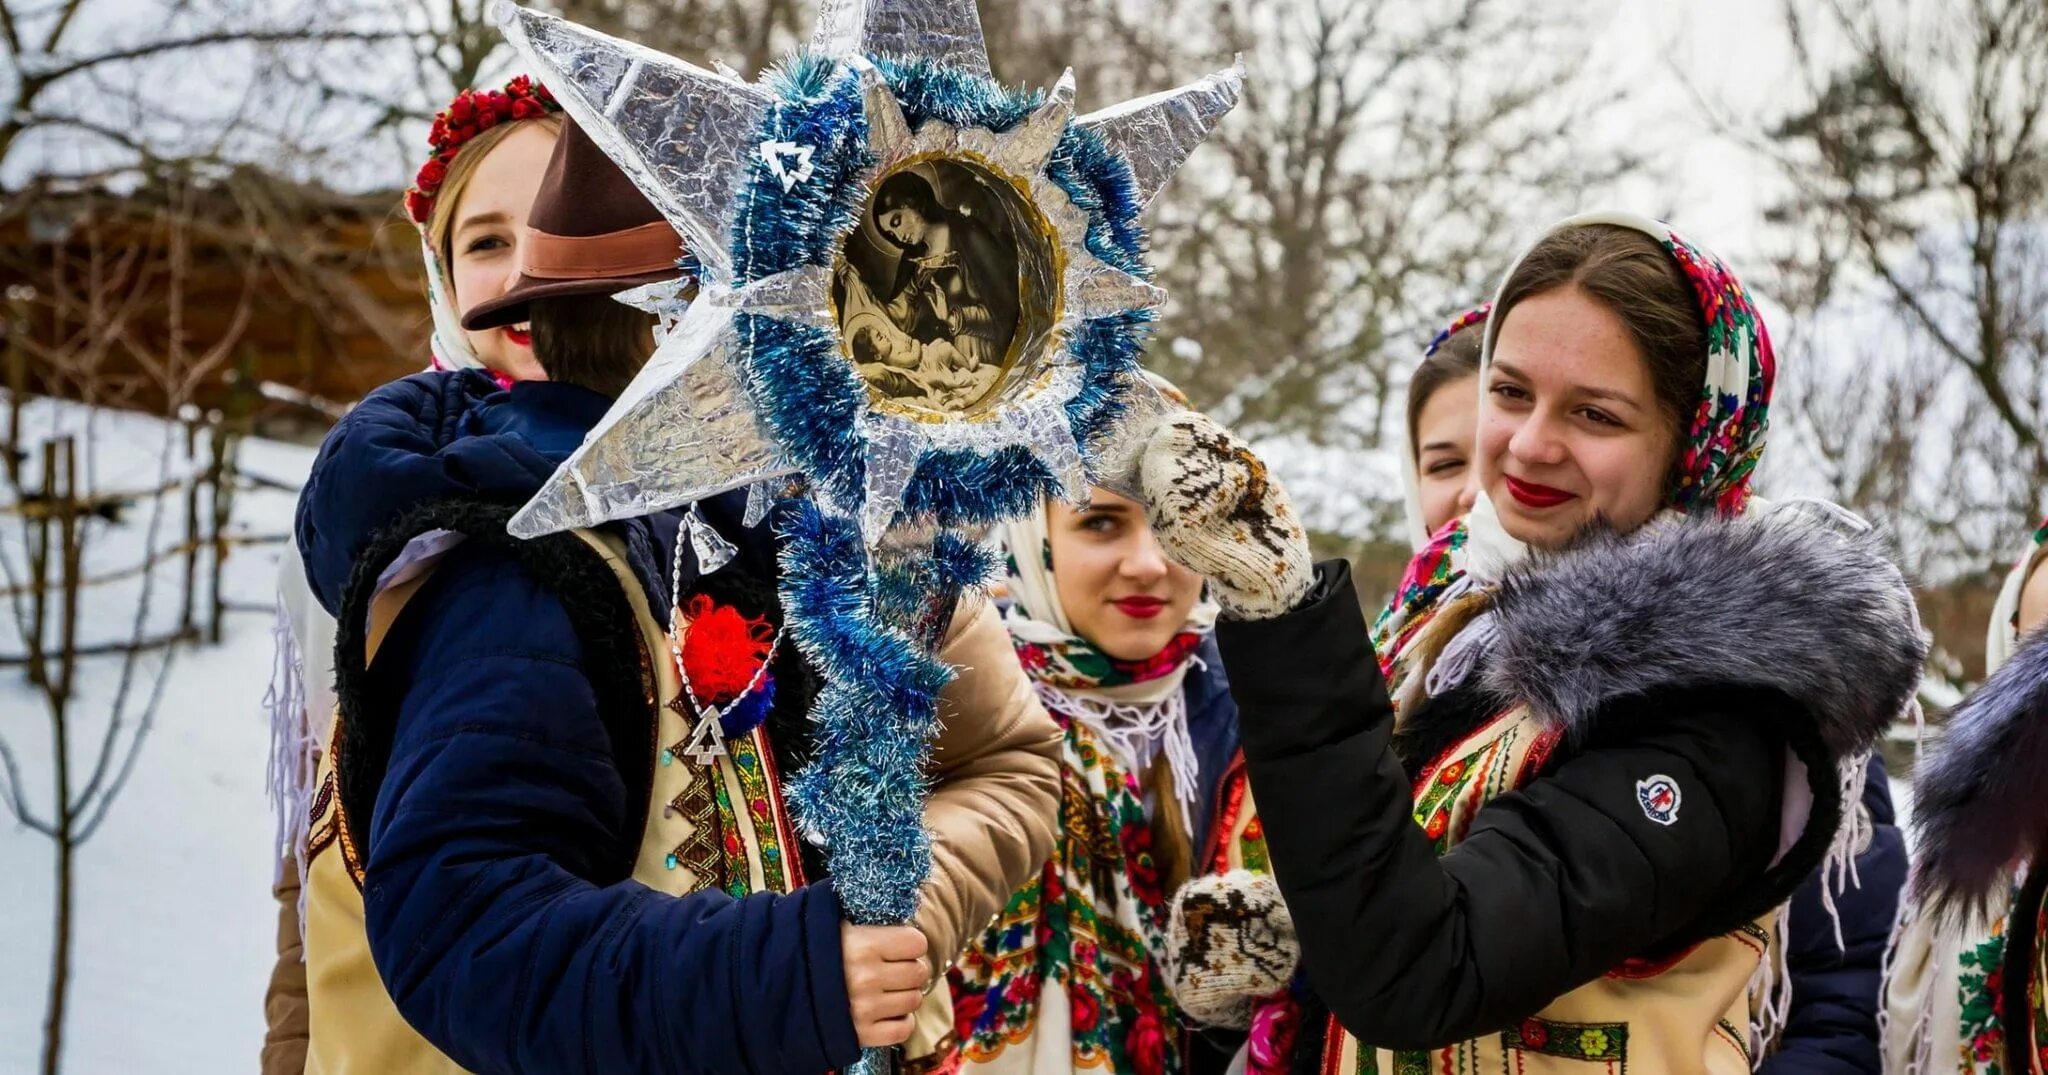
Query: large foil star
[(687, 427)]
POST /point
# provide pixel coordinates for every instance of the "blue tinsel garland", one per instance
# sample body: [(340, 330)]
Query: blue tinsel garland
[(860, 625)]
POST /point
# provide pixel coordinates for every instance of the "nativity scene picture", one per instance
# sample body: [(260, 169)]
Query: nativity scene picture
[(927, 291)]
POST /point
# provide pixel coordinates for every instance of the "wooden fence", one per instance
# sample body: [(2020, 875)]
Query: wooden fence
[(51, 510)]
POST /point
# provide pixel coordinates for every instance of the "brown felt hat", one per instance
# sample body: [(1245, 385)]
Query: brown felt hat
[(590, 232)]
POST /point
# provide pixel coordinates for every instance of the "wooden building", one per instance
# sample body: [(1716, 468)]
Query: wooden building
[(277, 302)]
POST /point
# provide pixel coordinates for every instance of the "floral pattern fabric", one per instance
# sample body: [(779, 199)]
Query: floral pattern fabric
[(1981, 985), (1076, 664), (1073, 957), (1726, 435)]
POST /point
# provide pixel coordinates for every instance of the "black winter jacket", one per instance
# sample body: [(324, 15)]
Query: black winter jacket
[(1662, 655)]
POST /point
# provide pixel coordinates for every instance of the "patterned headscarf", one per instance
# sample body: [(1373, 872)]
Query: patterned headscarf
[(1411, 472), (450, 349), (1137, 708), (1723, 442), (1054, 654)]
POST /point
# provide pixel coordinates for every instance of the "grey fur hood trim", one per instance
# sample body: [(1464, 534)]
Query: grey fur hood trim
[(1773, 600), (1981, 801)]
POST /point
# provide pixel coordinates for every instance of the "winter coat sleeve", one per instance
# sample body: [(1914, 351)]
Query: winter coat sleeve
[(1832, 1026), (396, 433), (284, 1002), (500, 804), (995, 785), (1553, 885)]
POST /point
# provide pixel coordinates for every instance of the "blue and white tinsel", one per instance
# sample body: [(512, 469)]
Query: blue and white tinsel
[(863, 796), (810, 397)]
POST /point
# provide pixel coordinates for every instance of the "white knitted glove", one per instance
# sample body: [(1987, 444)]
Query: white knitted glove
[(1229, 942), (1217, 510)]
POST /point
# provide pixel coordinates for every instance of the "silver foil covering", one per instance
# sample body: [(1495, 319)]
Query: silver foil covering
[(1038, 422), (1155, 134), (683, 134), (664, 300), (685, 428), (1026, 147), (888, 129), (802, 294), (1096, 288), (759, 499), (1113, 454), (682, 431), (947, 31)]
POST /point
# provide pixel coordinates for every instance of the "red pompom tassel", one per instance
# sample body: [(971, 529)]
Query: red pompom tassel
[(722, 650)]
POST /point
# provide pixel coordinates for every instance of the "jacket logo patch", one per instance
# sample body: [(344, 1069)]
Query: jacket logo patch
[(1659, 797)]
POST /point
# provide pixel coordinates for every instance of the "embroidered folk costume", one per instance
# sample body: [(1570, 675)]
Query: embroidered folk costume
[(1067, 978), (300, 700), (510, 812), (1508, 700), (1952, 1003)]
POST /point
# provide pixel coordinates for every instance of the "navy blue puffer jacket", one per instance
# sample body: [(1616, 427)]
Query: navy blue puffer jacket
[(494, 911), (1832, 1027)]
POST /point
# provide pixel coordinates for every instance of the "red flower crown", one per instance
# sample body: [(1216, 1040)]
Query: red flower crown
[(471, 113)]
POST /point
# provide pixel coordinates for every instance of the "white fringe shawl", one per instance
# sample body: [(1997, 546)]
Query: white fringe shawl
[(294, 754)]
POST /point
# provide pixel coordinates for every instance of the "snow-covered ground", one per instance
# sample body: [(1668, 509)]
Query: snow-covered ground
[(174, 922)]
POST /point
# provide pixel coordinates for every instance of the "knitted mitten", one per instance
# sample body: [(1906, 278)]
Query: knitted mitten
[(1217, 510), (1229, 942)]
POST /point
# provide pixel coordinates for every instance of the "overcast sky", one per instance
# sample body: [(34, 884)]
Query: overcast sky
[(1735, 52)]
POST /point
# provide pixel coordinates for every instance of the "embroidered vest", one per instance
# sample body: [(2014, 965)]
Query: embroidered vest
[(1688, 1014), (706, 826)]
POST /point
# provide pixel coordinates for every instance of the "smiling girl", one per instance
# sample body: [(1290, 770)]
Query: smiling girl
[(1443, 412), (469, 202), (1108, 628), (1545, 817), (469, 199)]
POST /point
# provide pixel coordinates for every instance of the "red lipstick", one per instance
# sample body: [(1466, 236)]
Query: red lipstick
[(519, 336), (1531, 495), (1140, 607)]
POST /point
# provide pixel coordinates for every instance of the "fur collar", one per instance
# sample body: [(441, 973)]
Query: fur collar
[(1979, 804), (1778, 601)]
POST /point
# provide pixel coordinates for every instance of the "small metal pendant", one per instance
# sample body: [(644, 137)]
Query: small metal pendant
[(706, 543), (707, 743)]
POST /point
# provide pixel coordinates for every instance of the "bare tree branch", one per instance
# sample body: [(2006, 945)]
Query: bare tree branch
[(8, 32), (17, 804), (85, 801), (145, 722), (67, 68), (1912, 146)]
